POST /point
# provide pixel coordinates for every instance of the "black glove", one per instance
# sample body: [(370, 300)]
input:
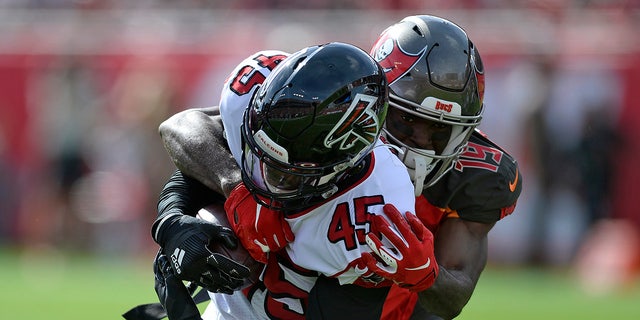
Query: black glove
[(184, 240), (174, 296)]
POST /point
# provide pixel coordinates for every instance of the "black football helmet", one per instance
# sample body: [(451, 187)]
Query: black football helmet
[(317, 114), (434, 73)]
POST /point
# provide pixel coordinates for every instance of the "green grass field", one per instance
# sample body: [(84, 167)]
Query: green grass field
[(529, 294), (50, 286), (57, 287)]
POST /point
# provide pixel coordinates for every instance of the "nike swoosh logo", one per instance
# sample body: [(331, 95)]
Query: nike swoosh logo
[(512, 185), (359, 270), (426, 265)]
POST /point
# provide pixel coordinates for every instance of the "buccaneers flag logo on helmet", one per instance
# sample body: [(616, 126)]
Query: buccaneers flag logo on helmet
[(394, 60)]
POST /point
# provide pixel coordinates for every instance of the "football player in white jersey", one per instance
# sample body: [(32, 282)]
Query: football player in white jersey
[(465, 182), (309, 154)]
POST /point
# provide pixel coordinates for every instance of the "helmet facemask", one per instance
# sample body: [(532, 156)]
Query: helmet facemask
[(425, 166)]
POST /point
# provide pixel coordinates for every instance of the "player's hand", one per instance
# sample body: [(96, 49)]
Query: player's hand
[(259, 229), (184, 241), (410, 262), (173, 295)]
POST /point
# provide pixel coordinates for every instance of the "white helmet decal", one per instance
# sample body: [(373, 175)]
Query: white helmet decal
[(360, 114)]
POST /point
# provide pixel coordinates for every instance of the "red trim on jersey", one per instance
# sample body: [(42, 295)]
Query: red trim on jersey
[(430, 215)]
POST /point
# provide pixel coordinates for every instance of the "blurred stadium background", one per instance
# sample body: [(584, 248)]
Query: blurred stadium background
[(85, 83)]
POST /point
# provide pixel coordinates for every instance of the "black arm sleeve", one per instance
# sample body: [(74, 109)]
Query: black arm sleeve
[(182, 195)]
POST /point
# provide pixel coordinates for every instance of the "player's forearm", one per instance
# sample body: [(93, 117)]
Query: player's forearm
[(181, 195), (448, 295), (194, 141), (461, 252)]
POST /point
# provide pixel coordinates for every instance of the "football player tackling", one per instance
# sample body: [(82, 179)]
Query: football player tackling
[(312, 167), (464, 182)]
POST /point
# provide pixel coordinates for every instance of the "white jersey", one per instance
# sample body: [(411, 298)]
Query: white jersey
[(329, 238)]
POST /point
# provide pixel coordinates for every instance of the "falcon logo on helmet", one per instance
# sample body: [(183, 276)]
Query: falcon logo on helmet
[(359, 123), (394, 60)]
